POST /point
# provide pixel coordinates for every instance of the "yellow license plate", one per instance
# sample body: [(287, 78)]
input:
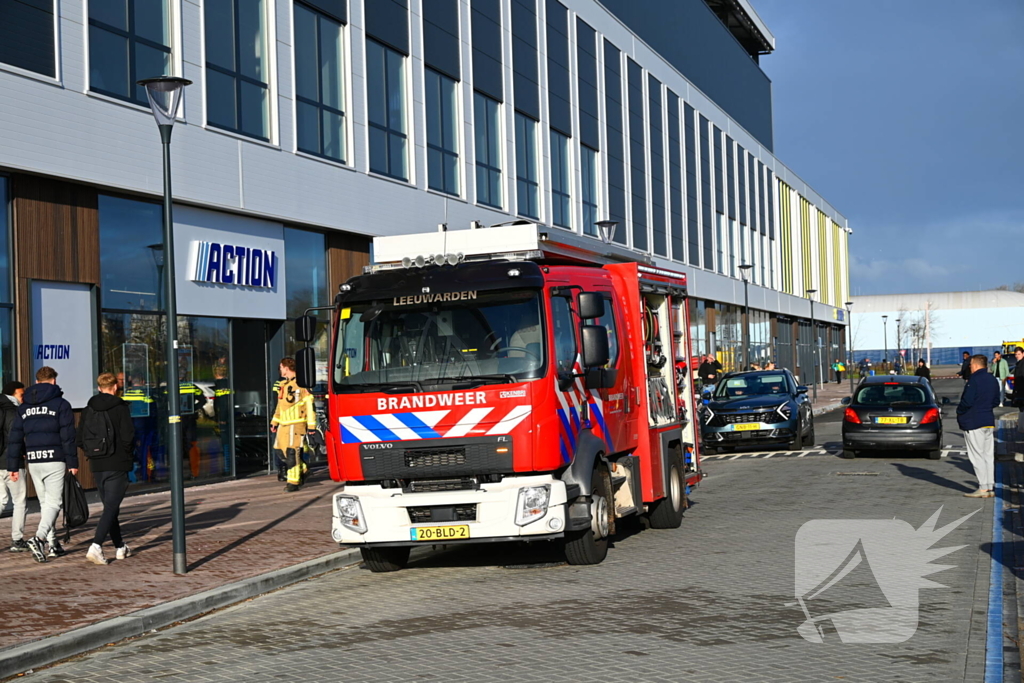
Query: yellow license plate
[(747, 427), (439, 533), (892, 420)]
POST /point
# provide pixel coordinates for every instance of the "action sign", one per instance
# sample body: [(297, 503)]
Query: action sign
[(63, 336)]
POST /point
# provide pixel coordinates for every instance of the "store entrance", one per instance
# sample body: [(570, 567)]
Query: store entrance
[(251, 392)]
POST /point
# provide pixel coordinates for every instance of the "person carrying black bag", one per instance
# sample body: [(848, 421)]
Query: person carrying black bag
[(107, 437)]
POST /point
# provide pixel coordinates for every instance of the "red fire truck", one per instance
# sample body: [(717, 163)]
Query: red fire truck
[(511, 383)]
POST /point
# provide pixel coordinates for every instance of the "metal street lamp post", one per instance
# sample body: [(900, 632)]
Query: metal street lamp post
[(899, 341), (885, 341), (607, 228), (849, 342), (164, 95), (814, 340), (744, 267)]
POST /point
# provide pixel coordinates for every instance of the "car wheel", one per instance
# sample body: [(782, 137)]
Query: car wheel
[(848, 454), (809, 439), (934, 455), (798, 442)]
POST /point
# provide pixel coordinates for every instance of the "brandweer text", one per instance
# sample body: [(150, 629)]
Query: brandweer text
[(431, 401)]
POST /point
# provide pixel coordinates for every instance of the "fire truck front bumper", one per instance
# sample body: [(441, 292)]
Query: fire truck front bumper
[(515, 509)]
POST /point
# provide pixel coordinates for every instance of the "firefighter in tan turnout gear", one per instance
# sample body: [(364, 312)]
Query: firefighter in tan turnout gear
[(293, 417)]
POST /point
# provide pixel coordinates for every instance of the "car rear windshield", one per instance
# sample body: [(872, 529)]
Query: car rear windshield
[(892, 393), (743, 386)]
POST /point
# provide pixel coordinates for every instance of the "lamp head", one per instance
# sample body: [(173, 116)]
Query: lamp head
[(164, 94), (607, 228)]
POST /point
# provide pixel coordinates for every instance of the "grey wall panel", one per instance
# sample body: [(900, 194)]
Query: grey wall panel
[(441, 36), (26, 35), (388, 22), (586, 67), (691, 37), (487, 71), (559, 93)]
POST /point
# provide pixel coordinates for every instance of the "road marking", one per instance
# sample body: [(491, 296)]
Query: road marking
[(994, 639), (768, 455), (801, 454), (738, 455)]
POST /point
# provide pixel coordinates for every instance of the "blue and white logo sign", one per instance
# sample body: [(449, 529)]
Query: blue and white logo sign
[(229, 264)]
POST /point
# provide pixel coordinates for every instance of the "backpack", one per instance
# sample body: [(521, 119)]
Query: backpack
[(76, 507), (97, 434)]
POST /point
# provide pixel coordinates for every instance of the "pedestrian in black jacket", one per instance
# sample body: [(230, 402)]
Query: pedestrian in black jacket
[(923, 370), (976, 416), (107, 415), (13, 491), (965, 368), (43, 435)]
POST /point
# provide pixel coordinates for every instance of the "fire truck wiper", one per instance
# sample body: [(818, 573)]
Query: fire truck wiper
[(476, 380), (384, 387)]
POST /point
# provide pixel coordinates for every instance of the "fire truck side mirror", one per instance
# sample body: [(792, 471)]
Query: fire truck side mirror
[(595, 346), (305, 328), (305, 367), (591, 305)]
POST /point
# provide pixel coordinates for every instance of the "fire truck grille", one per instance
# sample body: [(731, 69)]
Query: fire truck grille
[(431, 485), (442, 513), (435, 457), (449, 459)]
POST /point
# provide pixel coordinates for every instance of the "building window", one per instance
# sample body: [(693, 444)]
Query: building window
[(385, 92), (128, 41), (442, 138), (319, 84), (131, 254), (6, 307), (588, 173), (238, 67), (561, 200), (26, 35), (305, 267), (527, 187), (488, 151)]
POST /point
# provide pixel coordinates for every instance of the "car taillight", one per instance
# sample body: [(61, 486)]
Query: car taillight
[(931, 416), (851, 416)]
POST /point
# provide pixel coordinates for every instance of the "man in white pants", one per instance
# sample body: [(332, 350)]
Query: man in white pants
[(976, 416), (12, 491), (43, 435)]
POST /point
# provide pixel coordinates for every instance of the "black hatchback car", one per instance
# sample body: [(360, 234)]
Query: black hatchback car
[(761, 407), (893, 412)]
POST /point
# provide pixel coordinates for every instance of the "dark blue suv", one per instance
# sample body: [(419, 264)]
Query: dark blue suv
[(762, 407)]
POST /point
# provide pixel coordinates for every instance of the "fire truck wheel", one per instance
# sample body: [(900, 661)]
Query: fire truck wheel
[(668, 512), (590, 546), (385, 559)]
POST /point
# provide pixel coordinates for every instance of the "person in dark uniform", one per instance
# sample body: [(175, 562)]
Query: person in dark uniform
[(965, 368)]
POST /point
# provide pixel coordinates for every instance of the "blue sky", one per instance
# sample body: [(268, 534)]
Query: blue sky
[(909, 117)]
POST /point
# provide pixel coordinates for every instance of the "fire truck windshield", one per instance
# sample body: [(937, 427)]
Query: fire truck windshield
[(494, 337)]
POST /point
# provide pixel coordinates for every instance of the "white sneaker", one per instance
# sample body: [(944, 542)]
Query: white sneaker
[(95, 555), (123, 552)]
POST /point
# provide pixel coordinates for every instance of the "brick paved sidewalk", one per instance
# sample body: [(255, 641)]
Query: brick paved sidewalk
[(829, 394), (235, 530)]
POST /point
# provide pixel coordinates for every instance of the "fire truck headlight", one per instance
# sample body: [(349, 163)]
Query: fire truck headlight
[(532, 504), (350, 512)]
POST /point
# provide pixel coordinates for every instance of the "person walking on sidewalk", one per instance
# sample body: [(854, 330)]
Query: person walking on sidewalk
[(292, 418), (965, 368), (12, 490), (923, 370), (107, 437), (1000, 370), (1017, 398), (976, 416), (839, 369), (43, 435)]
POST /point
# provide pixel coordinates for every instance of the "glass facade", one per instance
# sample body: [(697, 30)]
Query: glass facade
[(319, 84), (488, 150), (7, 365), (131, 254), (306, 285), (527, 186), (588, 177), (561, 199), (238, 67), (128, 40), (385, 94), (442, 133)]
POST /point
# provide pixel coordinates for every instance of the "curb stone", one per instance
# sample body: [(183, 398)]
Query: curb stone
[(826, 408), (21, 658)]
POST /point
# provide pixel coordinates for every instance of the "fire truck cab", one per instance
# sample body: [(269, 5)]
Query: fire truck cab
[(511, 383)]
